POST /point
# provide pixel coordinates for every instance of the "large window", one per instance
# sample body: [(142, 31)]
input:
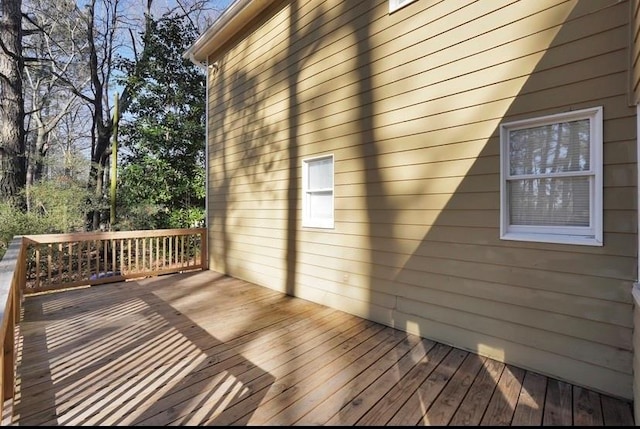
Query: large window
[(551, 178), (317, 192)]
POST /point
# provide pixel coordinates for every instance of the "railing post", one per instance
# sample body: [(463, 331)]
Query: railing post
[(204, 249)]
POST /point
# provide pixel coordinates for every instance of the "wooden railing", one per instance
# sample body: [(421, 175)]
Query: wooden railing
[(12, 281), (69, 260), (36, 263)]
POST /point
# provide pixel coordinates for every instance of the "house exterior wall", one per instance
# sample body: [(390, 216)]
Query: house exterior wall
[(634, 49), (410, 104)]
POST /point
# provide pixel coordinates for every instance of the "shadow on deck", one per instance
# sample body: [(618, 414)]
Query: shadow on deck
[(206, 349)]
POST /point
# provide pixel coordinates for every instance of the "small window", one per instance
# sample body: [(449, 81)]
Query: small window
[(317, 192), (551, 179), (397, 4)]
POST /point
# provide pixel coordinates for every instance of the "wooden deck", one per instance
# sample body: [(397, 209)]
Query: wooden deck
[(201, 348)]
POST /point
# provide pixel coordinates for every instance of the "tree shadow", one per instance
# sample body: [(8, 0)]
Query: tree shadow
[(127, 354), (417, 173), (462, 285)]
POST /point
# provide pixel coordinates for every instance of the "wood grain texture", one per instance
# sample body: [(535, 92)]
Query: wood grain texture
[(207, 349)]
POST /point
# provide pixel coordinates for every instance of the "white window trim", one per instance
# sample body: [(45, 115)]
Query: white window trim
[(588, 236), (398, 4), (306, 220)]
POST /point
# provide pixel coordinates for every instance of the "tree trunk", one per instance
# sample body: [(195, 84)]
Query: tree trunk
[(12, 146)]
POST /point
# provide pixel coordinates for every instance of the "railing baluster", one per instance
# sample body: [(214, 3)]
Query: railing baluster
[(64, 265), (113, 256), (60, 262), (136, 254), (70, 269), (177, 251), (144, 252), (37, 265), (204, 247), (94, 253), (196, 252), (49, 252), (170, 239), (157, 253), (105, 256), (80, 259), (120, 265), (182, 251), (164, 251)]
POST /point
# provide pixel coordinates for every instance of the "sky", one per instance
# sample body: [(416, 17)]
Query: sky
[(216, 7)]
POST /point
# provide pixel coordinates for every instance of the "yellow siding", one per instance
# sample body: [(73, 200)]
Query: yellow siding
[(410, 105), (636, 356)]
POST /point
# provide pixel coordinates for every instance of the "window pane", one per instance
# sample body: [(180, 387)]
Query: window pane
[(321, 205), (550, 201), (321, 174), (551, 148)]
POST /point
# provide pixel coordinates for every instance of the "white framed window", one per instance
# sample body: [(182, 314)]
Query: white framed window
[(317, 192), (551, 178), (397, 4)]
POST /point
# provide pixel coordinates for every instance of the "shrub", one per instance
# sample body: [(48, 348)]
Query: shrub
[(55, 206)]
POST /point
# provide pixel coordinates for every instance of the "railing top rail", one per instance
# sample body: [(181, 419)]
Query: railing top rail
[(8, 266), (87, 236)]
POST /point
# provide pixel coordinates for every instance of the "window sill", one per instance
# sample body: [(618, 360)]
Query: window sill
[(318, 224), (553, 238)]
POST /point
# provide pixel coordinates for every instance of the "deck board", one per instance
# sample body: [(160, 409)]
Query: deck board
[(206, 349), (586, 408), (475, 403), (412, 411), (454, 392), (505, 397), (529, 410), (557, 410)]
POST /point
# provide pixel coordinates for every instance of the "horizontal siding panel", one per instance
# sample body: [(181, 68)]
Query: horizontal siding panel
[(581, 26), (620, 198), (278, 185), (575, 284), (449, 168), (257, 269), (389, 237), (405, 143), (571, 347), (545, 260), (355, 265), (452, 175), (575, 328), (607, 315), (554, 323), (350, 134), (569, 51), (619, 152), (486, 117), (604, 379), (458, 201), (410, 104)]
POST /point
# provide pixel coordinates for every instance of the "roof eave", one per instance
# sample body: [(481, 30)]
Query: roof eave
[(232, 20)]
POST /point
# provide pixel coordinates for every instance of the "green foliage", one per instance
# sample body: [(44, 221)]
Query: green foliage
[(56, 206), (161, 184)]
